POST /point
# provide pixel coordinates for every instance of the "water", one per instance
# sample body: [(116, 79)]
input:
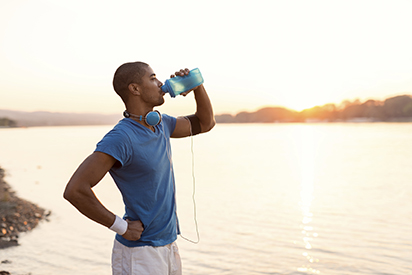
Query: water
[(271, 199)]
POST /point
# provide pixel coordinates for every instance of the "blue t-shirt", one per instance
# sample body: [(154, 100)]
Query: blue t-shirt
[(144, 176)]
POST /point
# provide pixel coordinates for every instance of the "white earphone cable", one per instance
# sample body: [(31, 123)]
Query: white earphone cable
[(168, 151)]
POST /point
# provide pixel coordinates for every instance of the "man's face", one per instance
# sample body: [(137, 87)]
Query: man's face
[(150, 89)]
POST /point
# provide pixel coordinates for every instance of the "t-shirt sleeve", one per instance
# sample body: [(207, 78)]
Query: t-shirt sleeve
[(116, 144), (170, 124)]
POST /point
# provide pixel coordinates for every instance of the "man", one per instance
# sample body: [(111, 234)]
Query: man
[(136, 153)]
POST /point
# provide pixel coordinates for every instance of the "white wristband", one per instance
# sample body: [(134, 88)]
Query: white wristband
[(119, 226)]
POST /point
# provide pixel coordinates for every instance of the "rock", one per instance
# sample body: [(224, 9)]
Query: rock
[(6, 262)]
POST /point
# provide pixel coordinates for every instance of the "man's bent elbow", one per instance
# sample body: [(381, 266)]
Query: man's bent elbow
[(71, 194), (68, 194), (209, 126)]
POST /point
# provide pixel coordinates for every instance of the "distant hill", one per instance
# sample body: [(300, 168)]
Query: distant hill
[(29, 119), (264, 115), (394, 109)]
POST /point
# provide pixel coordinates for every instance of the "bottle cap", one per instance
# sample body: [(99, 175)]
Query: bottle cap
[(167, 89)]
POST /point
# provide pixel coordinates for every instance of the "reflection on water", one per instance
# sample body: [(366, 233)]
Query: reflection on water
[(307, 145), (264, 194)]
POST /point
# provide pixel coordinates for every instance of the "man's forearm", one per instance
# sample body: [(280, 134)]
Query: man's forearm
[(204, 109), (90, 206), (87, 203)]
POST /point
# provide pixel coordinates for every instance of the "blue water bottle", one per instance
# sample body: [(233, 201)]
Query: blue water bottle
[(180, 84)]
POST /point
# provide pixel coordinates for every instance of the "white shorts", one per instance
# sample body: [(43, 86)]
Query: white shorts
[(156, 260)]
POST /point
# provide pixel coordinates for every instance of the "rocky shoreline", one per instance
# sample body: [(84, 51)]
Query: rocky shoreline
[(16, 215)]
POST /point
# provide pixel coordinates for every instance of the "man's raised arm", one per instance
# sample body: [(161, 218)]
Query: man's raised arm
[(202, 121)]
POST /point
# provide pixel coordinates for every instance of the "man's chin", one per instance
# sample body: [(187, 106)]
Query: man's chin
[(161, 102)]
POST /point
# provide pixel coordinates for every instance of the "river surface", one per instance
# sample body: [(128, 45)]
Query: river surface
[(270, 198)]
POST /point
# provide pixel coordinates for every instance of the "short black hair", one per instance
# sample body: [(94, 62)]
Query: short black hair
[(131, 72)]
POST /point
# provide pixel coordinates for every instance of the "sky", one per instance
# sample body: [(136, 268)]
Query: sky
[(60, 56)]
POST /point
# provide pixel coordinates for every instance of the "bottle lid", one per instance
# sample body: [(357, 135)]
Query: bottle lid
[(167, 89)]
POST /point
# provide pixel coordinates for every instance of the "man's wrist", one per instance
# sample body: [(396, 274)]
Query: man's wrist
[(200, 87), (119, 226)]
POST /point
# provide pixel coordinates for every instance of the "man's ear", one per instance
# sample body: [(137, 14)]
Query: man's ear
[(134, 89)]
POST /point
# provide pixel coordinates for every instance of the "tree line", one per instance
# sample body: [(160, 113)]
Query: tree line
[(398, 108), (5, 122)]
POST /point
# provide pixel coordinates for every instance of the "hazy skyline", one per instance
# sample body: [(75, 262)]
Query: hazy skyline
[(60, 56)]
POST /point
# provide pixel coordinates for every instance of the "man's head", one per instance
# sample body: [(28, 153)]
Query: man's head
[(137, 85), (127, 74)]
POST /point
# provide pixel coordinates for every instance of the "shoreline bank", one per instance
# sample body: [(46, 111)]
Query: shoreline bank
[(16, 216)]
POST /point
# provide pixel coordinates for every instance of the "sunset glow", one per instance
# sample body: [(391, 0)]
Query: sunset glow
[(61, 56)]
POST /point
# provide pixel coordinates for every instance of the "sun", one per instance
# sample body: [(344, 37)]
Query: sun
[(302, 101)]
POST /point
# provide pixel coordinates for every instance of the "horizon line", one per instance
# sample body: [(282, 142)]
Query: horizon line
[(222, 113)]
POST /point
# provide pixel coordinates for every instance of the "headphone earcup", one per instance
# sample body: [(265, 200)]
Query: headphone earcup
[(153, 118)]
